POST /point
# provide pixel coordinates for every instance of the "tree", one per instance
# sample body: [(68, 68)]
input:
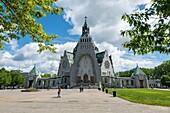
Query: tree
[(18, 18), (165, 80), (5, 78), (54, 75), (46, 76), (148, 37), (17, 78), (127, 73), (162, 69), (149, 72)]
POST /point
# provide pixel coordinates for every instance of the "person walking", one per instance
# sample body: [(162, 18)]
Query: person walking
[(81, 88), (59, 92)]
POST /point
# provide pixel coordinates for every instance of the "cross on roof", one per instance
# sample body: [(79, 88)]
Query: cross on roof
[(85, 18)]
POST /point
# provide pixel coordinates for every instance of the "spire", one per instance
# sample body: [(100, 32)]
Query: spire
[(85, 23), (85, 28)]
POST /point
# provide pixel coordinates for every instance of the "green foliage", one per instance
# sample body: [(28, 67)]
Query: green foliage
[(127, 73), (148, 71), (31, 88), (46, 76), (152, 73), (17, 79), (54, 75), (162, 69), (5, 78), (146, 37), (165, 80), (144, 96), (18, 17), (10, 78)]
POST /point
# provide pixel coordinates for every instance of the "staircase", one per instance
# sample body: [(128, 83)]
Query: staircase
[(86, 87)]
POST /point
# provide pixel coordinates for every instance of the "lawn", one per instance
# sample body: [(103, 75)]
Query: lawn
[(144, 96)]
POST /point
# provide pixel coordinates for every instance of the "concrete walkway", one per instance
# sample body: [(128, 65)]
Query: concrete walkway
[(72, 101)]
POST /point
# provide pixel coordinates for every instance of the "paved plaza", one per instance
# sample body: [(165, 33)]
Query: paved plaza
[(72, 101)]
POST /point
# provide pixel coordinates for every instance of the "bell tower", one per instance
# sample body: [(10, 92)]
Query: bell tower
[(85, 69), (85, 28)]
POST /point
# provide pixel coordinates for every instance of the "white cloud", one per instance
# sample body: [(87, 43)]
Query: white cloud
[(14, 44), (25, 58), (5, 58), (104, 17), (123, 60), (48, 62)]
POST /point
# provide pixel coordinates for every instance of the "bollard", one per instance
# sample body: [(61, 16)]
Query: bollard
[(114, 93), (106, 90)]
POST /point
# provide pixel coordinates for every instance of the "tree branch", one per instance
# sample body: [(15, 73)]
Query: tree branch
[(8, 5)]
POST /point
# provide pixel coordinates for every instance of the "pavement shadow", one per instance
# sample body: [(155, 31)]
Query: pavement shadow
[(55, 97)]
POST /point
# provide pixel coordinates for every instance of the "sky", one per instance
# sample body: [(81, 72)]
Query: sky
[(104, 20)]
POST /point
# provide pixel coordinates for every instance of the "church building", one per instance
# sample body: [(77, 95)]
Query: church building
[(86, 65)]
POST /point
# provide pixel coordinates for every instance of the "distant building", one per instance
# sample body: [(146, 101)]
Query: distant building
[(138, 79), (30, 77)]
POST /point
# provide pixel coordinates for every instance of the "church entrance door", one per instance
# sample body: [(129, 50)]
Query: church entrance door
[(141, 83), (85, 78), (30, 83)]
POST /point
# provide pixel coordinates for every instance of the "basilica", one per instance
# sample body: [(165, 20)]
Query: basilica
[(88, 67)]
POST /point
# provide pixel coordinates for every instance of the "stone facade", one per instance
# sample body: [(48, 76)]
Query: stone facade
[(31, 77), (137, 80), (86, 65)]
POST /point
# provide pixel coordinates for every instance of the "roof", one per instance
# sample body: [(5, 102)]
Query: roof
[(100, 56), (69, 54), (110, 57), (138, 71), (33, 71), (70, 57)]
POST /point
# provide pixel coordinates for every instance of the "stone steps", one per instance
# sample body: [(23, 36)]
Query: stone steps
[(86, 87)]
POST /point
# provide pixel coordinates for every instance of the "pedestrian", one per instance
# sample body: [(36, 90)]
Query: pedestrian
[(68, 87), (81, 88), (59, 92)]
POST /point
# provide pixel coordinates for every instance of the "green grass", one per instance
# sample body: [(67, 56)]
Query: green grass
[(144, 96), (31, 88)]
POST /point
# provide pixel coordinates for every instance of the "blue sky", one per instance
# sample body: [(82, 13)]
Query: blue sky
[(104, 19)]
